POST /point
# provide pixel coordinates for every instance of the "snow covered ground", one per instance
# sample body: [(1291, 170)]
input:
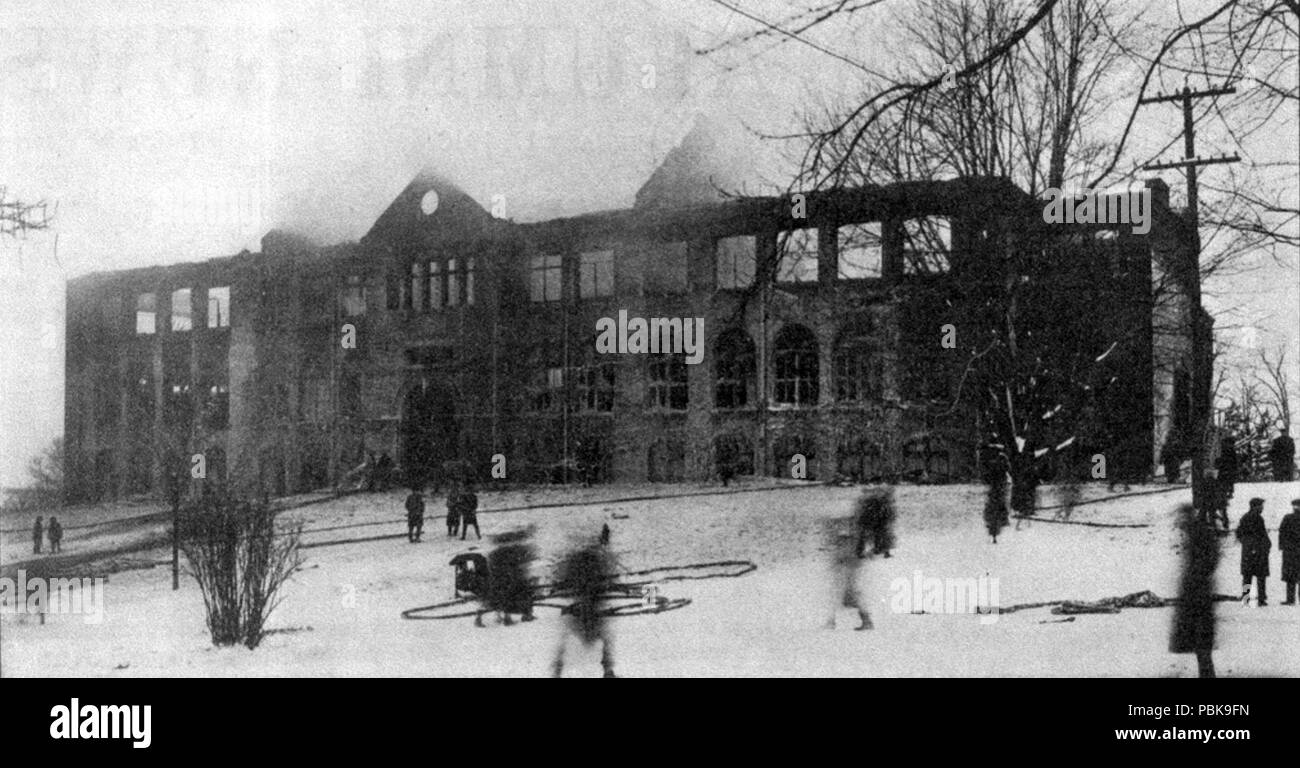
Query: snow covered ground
[(341, 616)]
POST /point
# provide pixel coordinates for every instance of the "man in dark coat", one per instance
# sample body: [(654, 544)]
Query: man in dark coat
[(1288, 540), (467, 506), (1214, 504), (1193, 627), (1255, 546), (414, 515), (56, 535), (1281, 455), (995, 502), (37, 531), (453, 510)]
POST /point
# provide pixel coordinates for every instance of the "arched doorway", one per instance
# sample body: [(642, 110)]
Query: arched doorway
[(429, 432)]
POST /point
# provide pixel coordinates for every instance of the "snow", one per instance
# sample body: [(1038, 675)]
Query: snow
[(341, 615)]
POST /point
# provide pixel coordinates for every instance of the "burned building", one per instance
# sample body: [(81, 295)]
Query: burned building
[(447, 333)]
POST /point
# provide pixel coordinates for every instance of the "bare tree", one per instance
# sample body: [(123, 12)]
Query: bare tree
[(1276, 381)]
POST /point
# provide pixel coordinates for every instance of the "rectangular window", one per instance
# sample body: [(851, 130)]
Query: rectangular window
[(393, 292), (453, 282), (435, 286), (546, 392), (860, 254), (596, 274), (470, 266), (219, 307), (668, 385), (417, 293), (352, 299), (545, 278), (594, 386), (735, 260), (146, 313), (799, 256), (927, 243), (182, 310), (665, 268)]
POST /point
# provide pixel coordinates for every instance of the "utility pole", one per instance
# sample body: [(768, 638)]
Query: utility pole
[(1201, 368)]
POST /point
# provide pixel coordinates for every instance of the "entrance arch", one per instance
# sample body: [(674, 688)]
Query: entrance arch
[(430, 434)]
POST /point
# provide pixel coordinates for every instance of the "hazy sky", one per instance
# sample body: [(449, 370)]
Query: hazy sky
[(170, 132)]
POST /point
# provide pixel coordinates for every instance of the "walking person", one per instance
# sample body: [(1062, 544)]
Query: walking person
[(1281, 456), (1255, 546), (510, 589), (55, 533), (468, 509), (38, 531), (1288, 540), (585, 574), (414, 515), (846, 557)]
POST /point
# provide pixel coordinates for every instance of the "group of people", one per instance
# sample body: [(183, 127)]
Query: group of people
[(462, 512), (1256, 547), (54, 531)]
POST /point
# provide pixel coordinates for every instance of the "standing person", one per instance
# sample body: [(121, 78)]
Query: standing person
[(1171, 458), (1281, 456), (414, 515), (384, 471), (585, 574), (1228, 467), (453, 510), (1214, 505), (1288, 540), (1255, 546), (875, 521), (1193, 625), (56, 535), (37, 531), (468, 508), (846, 559)]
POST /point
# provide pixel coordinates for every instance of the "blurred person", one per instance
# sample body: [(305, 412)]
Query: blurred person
[(1281, 457), (846, 559), (1193, 624), (510, 589), (467, 509), (38, 531), (586, 573), (56, 535), (1288, 540)]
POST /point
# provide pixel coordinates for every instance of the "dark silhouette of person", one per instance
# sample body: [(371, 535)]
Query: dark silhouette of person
[(1281, 456), (371, 469), (38, 531), (1288, 540), (604, 533), (453, 512), (875, 522), (1228, 466), (585, 574), (1171, 458), (467, 506), (1193, 625), (384, 471), (1214, 502), (996, 516), (1255, 546), (55, 532), (414, 515), (510, 590)]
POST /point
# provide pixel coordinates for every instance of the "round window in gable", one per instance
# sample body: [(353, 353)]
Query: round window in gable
[(429, 203)]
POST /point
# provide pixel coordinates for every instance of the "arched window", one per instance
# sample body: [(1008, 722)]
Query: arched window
[(733, 356), (857, 363), (795, 357)]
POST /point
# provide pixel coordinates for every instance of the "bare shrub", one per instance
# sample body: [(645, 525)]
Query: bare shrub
[(240, 561)]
